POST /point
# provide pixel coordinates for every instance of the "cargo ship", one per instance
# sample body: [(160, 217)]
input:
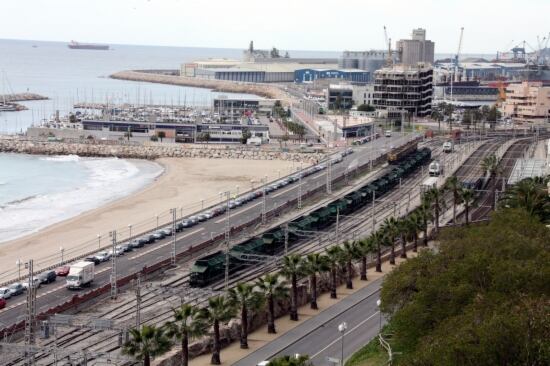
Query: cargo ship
[(87, 46)]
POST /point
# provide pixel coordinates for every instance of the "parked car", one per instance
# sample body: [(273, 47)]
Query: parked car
[(187, 223), (159, 235), (208, 215), (138, 243), (179, 226), (103, 256), (62, 271), (16, 289), (202, 217), (118, 251), (194, 219), (232, 204), (126, 247), (95, 260), (47, 277), (167, 231), (5, 293), (2, 303), (36, 281), (150, 238)]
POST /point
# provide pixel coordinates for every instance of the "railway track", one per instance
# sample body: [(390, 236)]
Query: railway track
[(179, 290)]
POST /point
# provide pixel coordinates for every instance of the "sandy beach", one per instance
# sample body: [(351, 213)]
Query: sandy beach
[(185, 182)]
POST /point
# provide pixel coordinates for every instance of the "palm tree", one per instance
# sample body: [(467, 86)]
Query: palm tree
[(454, 186), (414, 225), (389, 227), (378, 238), (333, 258), (187, 324), (402, 229), (293, 270), (314, 263), (286, 360), (468, 197), (244, 297), (425, 214), (363, 248), (219, 310), (272, 289), (434, 198), (146, 343), (490, 165), (531, 195), (348, 255)]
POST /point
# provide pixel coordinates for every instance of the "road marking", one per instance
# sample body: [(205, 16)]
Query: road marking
[(156, 247), (338, 339), (237, 213)]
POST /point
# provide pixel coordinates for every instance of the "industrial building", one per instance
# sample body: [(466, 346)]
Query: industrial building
[(363, 94), (311, 75), (404, 88), (233, 109), (339, 96), (417, 49), (466, 91), (527, 102), (189, 69), (363, 60)]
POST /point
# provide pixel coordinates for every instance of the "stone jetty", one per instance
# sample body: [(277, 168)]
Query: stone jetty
[(21, 97), (149, 151), (264, 90)]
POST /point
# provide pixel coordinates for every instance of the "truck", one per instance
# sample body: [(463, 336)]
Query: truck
[(427, 184), (81, 274), (448, 147)]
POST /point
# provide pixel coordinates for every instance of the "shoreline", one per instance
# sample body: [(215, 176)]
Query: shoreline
[(184, 180)]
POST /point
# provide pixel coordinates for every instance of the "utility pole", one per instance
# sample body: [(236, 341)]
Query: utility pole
[(227, 241), (30, 315), (264, 218), (138, 300), (112, 234), (329, 176), (173, 211), (300, 190), (373, 210), (286, 238)]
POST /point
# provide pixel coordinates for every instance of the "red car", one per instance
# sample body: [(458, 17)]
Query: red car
[(62, 271), (2, 303)]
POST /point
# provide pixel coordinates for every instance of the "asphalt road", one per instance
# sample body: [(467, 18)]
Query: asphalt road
[(319, 337), (55, 293)]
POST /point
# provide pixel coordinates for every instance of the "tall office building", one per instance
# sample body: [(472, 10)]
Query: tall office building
[(417, 49)]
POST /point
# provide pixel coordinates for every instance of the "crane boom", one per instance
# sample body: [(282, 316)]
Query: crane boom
[(389, 59), (459, 46)]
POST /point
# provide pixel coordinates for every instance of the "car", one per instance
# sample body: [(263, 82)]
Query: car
[(208, 215), (179, 226), (126, 247), (387, 133), (36, 281), (3, 303), (118, 251), (167, 231), (47, 277), (159, 235), (238, 202), (5, 293), (103, 256), (194, 219), (16, 289), (62, 271), (94, 260), (138, 243), (201, 217), (187, 223), (231, 204)]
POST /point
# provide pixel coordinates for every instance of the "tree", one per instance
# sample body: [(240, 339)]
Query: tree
[(244, 297), (287, 54), (349, 253), (379, 238), (204, 137), (219, 310), (293, 270), (365, 108), (454, 186), (161, 135), (302, 360), (186, 324), (414, 225), (490, 165), (530, 194), (434, 198), (467, 196), (146, 343), (402, 229), (246, 134), (275, 53), (154, 138), (272, 289), (480, 299), (333, 258), (425, 214), (390, 229), (314, 263), (364, 247)]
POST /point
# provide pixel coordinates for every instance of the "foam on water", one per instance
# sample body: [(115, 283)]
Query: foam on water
[(101, 181)]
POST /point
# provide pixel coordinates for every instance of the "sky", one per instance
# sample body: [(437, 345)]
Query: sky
[(489, 26)]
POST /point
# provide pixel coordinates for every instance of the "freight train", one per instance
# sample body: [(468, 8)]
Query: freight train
[(211, 268)]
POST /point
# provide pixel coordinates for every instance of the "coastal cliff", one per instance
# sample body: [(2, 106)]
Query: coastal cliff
[(153, 151)]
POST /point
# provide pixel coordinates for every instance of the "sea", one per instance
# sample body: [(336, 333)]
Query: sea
[(38, 191)]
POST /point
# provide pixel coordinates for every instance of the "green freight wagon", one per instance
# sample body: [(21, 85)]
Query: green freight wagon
[(207, 269)]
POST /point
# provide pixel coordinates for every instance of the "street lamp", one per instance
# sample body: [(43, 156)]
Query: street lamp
[(342, 329), (252, 184), (221, 196), (18, 264), (130, 228), (61, 249), (378, 303), (98, 241), (157, 216), (202, 203), (237, 187)]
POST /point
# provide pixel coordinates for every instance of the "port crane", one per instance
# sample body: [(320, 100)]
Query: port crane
[(389, 58), (457, 56)]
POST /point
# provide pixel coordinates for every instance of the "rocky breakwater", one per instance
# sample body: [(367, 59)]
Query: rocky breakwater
[(137, 151)]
